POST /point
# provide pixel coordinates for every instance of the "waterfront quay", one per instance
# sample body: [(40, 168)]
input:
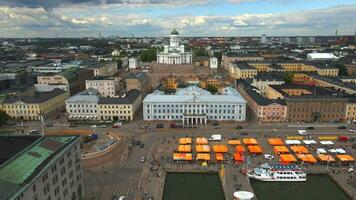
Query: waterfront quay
[(139, 172)]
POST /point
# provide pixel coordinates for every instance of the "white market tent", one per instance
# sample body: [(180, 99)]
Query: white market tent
[(291, 142), (340, 151), (327, 142), (332, 150), (308, 142), (320, 150)]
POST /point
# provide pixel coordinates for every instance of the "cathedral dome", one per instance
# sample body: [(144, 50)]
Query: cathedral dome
[(174, 32)]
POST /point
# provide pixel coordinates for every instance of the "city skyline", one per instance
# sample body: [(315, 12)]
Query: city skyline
[(88, 18)]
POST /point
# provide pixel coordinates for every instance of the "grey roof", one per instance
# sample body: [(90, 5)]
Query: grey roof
[(131, 96), (140, 76), (264, 76), (37, 97), (251, 91), (243, 65)]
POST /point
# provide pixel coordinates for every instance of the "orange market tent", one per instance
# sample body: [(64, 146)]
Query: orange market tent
[(184, 148), (185, 140), (299, 149), (275, 141), (254, 149), (202, 140), (238, 157), (182, 156), (240, 149), (287, 158), (280, 149), (220, 148), (249, 141), (234, 142), (219, 156), (345, 158), (326, 158), (202, 148), (309, 158), (203, 156)]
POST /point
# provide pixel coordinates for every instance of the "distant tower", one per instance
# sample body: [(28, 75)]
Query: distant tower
[(263, 39), (213, 65), (100, 37), (336, 35)]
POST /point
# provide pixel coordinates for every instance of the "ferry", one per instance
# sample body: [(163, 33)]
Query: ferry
[(278, 173)]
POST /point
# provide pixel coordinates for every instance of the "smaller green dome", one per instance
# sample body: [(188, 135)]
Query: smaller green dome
[(174, 32)]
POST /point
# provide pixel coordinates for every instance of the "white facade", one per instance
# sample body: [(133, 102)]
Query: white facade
[(83, 107), (133, 63), (263, 39), (174, 53), (106, 87), (213, 63), (194, 105)]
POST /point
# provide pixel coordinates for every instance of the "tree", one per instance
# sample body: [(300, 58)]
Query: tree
[(288, 77), (148, 55), (4, 118), (212, 89), (199, 52), (342, 70)]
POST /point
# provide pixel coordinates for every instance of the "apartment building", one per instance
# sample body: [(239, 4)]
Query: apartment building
[(106, 86)]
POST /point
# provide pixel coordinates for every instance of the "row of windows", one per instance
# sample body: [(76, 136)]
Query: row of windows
[(224, 111), (194, 106), (177, 117)]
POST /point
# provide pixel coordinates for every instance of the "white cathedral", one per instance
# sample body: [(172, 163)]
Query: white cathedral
[(174, 53)]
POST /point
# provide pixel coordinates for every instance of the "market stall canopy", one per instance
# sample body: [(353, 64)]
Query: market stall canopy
[(182, 156), (254, 149), (320, 150), (275, 141), (203, 156), (219, 156), (292, 142), (309, 158), (202, 140), (202, 148), (234, 142), (287, 158), (327, 142), (345, 158), (249, 141), (340, 151), (240, 149), (326, 158), (220, 148), (185, 140), (309, 142), (299, 149), (238, 157), (280, 149), (185, 148)]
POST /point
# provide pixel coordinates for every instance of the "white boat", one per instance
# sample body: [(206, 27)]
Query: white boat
[(278, 173)]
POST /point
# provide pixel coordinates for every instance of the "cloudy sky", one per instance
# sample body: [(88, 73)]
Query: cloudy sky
[(77, 18)]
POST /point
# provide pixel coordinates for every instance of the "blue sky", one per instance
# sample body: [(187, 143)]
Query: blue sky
[(76, 18)]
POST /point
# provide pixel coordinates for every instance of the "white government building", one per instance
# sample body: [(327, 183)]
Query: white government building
[(174, 53), (193, 105)]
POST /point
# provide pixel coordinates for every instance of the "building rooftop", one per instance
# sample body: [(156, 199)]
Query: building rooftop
[(140, 76), (229, 95), (36, 97), (31, 158), (130, 97), (312, 91), (242, 65), (268, 76)]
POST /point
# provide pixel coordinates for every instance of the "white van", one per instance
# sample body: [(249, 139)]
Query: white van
[(216, 137), (302, 132)]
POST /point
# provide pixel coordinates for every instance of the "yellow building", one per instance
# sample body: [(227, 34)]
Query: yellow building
[(31, 106), (351, 111), (114, 109), (242, 70), (260, 66), (204, 83), (171, 83)]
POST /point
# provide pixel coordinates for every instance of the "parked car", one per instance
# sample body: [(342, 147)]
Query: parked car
[(93, 126), (115, 126), (341, 127), (142, 146), (302, 132), (160, 126), (33, 132), (238, 127), (216, 125), (143, 159), (215, 137), (175, 125), (352, 130), (103, 126)]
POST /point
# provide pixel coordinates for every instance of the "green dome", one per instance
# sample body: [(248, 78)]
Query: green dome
[(174, 32)]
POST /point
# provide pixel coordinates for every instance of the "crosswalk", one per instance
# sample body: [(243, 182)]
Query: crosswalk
[(106, 192), (132, 164)]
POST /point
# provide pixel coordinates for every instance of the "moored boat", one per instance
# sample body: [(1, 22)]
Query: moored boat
[(278, 173)]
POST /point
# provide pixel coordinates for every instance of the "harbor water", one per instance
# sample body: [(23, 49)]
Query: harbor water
[(192, 186), (316, 187)]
